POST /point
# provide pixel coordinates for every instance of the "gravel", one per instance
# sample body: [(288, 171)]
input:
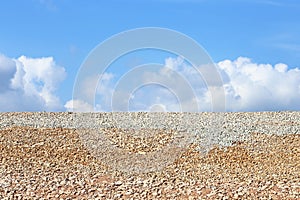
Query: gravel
[(150, 155), (221, 128)]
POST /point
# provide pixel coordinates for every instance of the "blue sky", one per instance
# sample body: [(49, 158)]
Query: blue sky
[(265, 31)]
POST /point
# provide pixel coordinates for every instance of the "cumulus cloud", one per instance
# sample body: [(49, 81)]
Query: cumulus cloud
[(101, 86), (29, 84), (257, 87), (78, 106), (176, 86)]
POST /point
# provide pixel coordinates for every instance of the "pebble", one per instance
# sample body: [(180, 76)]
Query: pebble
[(43, 151), (118, 183), (213, 128)]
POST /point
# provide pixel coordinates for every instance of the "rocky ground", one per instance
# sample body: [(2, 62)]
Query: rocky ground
[(41, 159)]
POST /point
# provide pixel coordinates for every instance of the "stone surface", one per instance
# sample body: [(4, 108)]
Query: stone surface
[(255, 156)]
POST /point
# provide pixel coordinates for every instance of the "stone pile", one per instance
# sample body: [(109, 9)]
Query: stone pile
[(250, 156)]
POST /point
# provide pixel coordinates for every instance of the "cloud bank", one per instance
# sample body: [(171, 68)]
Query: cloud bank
[(248, 86), (29, 84), (258, 87)]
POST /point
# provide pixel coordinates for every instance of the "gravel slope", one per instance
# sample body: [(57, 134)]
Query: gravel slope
[(255, 155)]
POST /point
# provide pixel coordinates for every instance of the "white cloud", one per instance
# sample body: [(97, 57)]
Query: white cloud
[(95, 85), (177, 86), (29, 84), (78, 106), (254, 87)]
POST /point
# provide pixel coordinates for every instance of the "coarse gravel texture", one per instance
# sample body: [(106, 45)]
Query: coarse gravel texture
[(246, 156)]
